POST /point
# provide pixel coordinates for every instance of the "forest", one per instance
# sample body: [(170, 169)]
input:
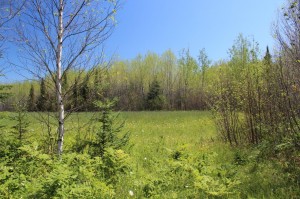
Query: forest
[(156, 126)]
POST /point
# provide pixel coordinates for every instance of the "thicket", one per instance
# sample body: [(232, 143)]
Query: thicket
[(256, 102)]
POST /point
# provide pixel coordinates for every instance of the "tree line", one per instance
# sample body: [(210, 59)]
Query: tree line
[(149, 82)]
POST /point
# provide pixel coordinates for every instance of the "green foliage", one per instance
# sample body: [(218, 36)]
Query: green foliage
[(65, 82), (201, 176), (20, 128), (105, 130), (190, 176), (4, 94), (182, 84), (256, 102), (107, 134), (31, 104), (99, 84), (175, 155), (75, 94), (115, 163), (38, 175), (42, 101), (84, 95), (188, 79), (26, 171), (239, 99), (255, 105), (155, 100)]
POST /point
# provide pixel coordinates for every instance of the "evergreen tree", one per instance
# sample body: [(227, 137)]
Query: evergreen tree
[(20, 128), (4, 94), (85, 95), (97, 85), (155, 100), (108, 135), (267, 57), (42, 100), (108, 132), (65, 83), (84, 91), (31, 103), (75, 94)]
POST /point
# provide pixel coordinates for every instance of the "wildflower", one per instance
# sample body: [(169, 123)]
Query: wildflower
[(131, 193)]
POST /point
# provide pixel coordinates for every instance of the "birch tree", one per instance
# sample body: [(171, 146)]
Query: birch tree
[(56, 36), (204, 64), (288, 38)]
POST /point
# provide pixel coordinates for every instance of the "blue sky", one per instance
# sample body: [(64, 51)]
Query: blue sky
[(158, 25)]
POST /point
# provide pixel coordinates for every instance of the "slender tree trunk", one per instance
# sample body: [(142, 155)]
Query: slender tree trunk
[(60, 102)]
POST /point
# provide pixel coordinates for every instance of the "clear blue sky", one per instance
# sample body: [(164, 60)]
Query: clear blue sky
[(158, 25)]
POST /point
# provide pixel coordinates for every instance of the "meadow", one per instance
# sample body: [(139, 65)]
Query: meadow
[(179, 155), (248, 146)]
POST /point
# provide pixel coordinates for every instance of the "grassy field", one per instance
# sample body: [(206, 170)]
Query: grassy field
[(193, 129), (179, 155)]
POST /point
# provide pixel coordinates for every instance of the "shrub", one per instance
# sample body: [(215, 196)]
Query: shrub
[(38, 175)]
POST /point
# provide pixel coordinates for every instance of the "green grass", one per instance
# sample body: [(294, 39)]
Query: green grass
[(173, 128), (194, 129), (206, 166)]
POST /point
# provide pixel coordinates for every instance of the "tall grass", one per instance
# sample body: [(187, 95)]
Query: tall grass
[(179, 155)]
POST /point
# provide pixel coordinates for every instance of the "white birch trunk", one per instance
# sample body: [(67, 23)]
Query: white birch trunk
[(60, 102)]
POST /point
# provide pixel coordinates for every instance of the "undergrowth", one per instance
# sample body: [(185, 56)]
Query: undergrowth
[(169, 155)]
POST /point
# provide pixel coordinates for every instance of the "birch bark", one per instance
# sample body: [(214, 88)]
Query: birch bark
[(59, 93)]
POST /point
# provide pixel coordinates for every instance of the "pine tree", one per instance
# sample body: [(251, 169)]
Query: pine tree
[(75, 94), (85, 95), (4, 94), (267, 57), (42, 100), (65, 83), (155, 100), (31, 103), (20, 128), (84, 91), (108, 132), (97, 85)]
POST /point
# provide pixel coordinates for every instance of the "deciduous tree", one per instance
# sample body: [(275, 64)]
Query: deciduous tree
[(56, 36)]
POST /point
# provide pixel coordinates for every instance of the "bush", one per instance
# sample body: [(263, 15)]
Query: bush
[(38, 175)]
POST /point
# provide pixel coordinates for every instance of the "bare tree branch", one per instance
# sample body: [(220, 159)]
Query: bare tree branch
[(57, 36)]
